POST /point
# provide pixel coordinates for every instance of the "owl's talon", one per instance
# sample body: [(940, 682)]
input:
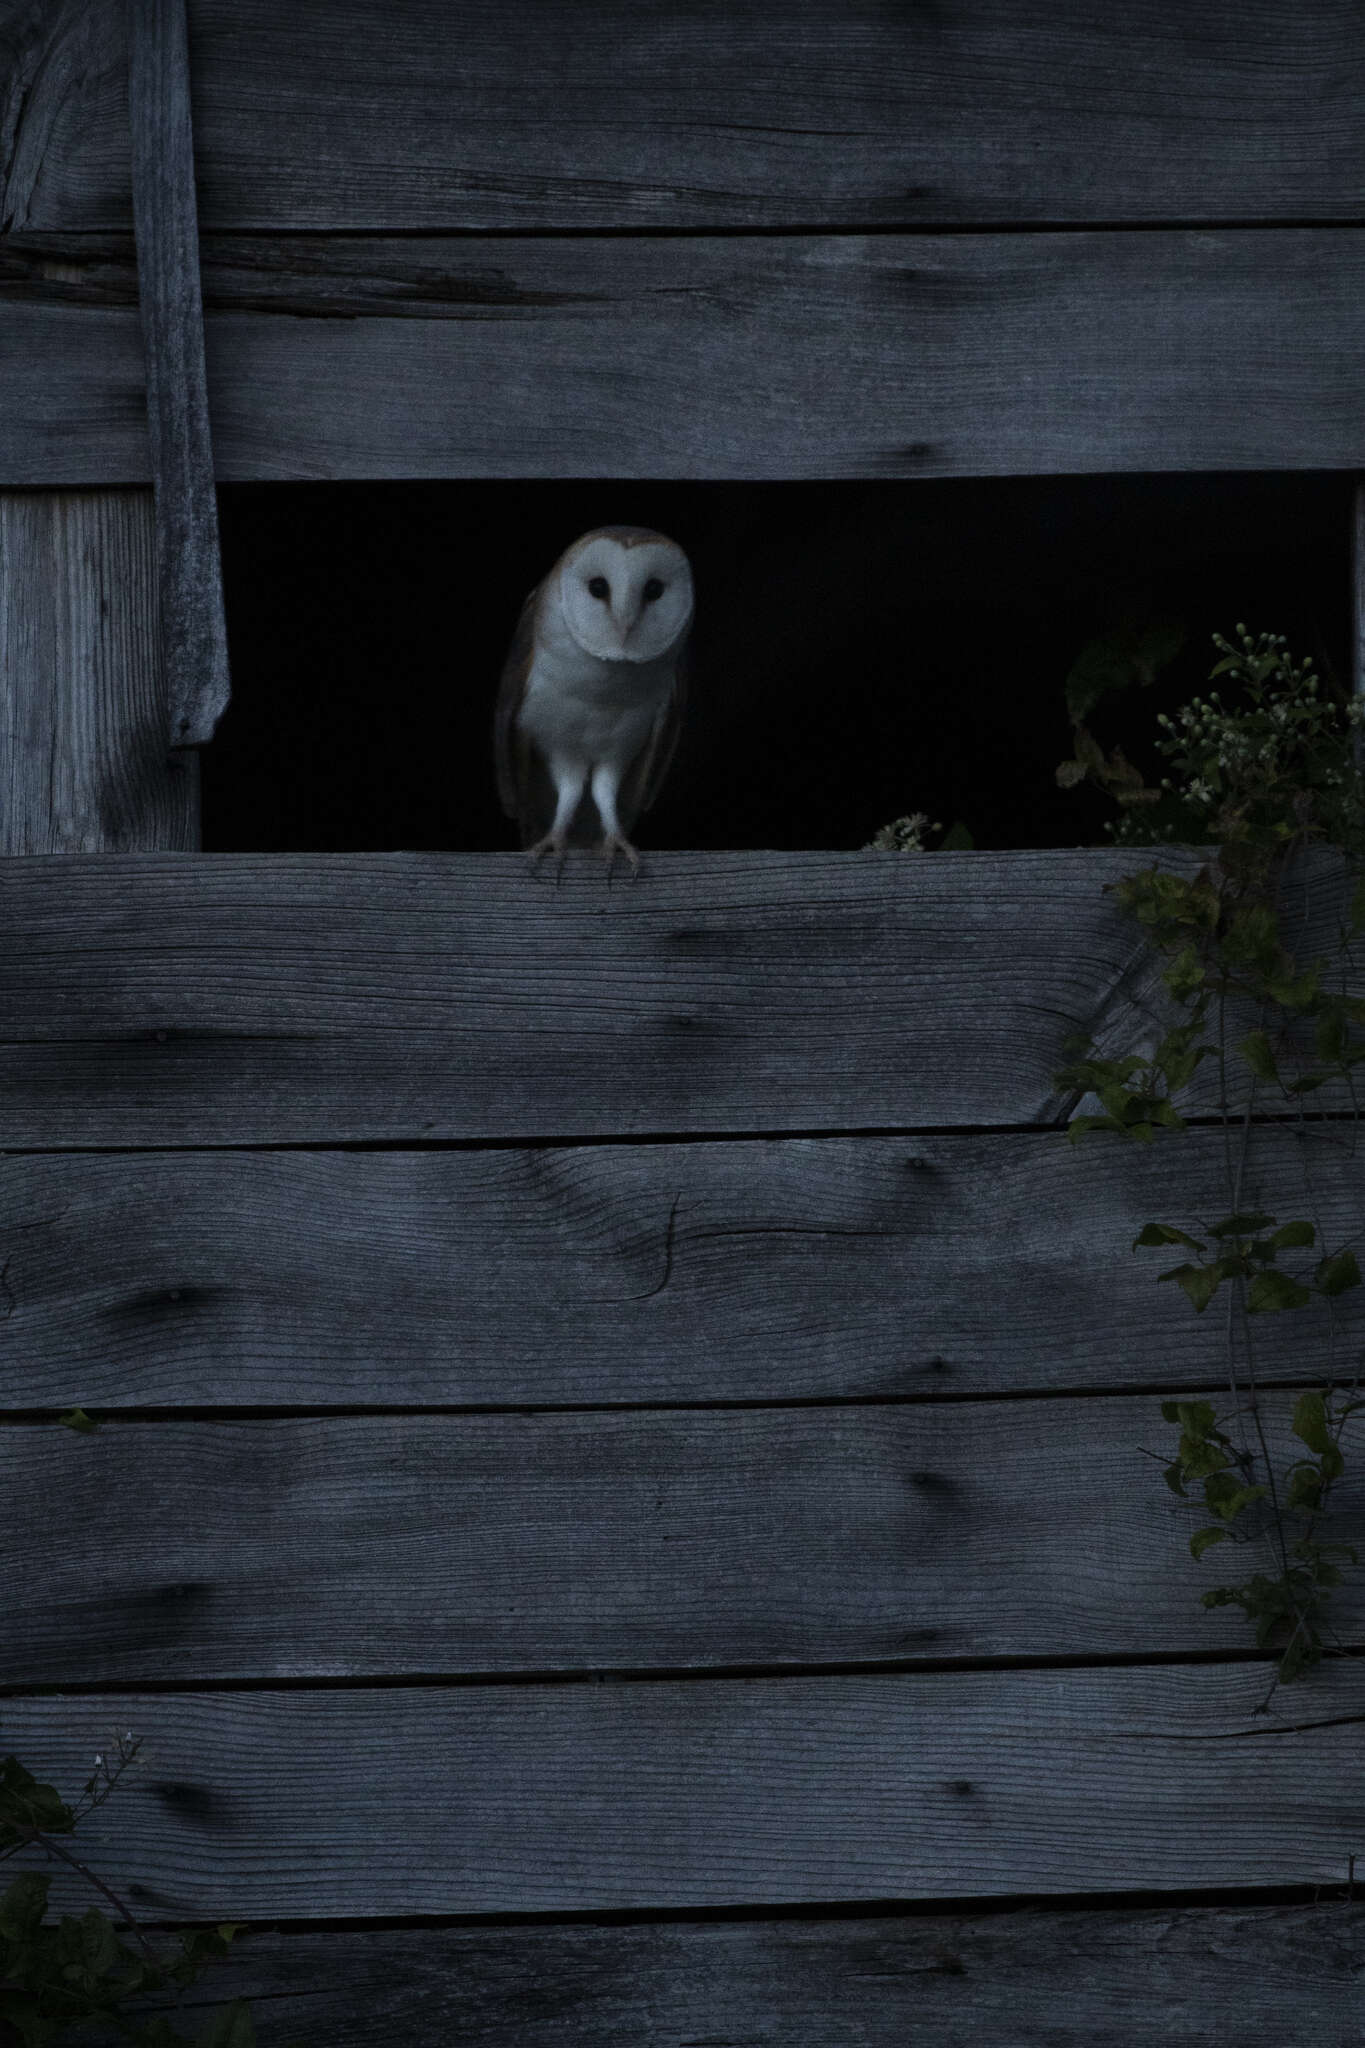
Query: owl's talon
[(549, 844), (612, 844)]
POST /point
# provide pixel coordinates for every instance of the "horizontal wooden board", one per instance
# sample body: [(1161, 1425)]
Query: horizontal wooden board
[(1030, 1979), (374, 1547), (237, 998), (759, 1270), (550, 115), (752, 357), (582, 1796)]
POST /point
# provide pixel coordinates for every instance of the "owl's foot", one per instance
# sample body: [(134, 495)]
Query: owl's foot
[(553, 842), (614, 843)]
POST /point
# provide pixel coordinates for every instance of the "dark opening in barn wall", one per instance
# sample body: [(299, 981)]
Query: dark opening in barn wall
[(860, 650)]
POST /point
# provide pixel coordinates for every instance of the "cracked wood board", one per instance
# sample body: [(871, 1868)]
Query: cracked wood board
[(1013, 1979), (674, 1795), (761, 1269), (813, 356)]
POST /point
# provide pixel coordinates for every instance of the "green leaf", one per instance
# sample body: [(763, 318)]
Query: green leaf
[(229, 2028), (1310, 1422), (1304, 1493), (1336, 1274), (1291, 1234), (1196, 1418), (1165, 1233), (1203, 1538), (23, 1905), (77, 1419), (1244, 1224), (1271, 1291), (1199, 1282), (957, 839), (1256, 1050)]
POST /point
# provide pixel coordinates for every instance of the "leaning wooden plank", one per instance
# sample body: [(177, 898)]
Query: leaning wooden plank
[(1031, 1979), (189, 572), (741, 357), (763, 1270), (815, 112), (468, 1545), (85, 766), (249, 999), (681, 1794)]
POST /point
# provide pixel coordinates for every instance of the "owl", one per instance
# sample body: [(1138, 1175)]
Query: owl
[(590, 702)]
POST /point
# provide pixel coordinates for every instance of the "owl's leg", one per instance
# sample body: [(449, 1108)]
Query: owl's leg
[(606, 780), (570, 779)]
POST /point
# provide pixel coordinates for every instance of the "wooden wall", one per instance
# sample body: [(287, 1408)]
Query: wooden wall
[(625, 1401), (621, 1405)]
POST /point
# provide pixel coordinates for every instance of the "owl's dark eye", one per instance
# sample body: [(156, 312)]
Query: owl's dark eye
[(652, 590), (598, 586)]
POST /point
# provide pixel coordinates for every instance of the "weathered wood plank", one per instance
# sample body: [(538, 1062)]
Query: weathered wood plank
[(254, 998), (779, 357), (85, 765), (63, 112), (189, 572), (1032, 1979), (442, 1545), (678, 1793), (763, 1270), (817, 112)]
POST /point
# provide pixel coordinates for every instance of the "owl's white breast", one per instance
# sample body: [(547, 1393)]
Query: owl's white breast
[(581, 706)]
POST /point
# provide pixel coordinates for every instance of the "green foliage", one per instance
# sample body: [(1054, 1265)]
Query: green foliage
[(1263, 775), (907, 835), (1269, 767), (65, 1975)]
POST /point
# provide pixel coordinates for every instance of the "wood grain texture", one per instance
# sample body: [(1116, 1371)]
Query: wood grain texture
[(722, 1792), (84, 762), (1027, 1979), (189, 571), (63, 112), (762, 1270), (778, 356), (244, 998), (469, 1545), (548, 115)]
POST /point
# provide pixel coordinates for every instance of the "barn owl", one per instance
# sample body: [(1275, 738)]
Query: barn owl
[(592, 689)]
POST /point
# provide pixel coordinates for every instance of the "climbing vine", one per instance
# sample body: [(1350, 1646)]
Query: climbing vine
[(1264, 772), (59, 1977)]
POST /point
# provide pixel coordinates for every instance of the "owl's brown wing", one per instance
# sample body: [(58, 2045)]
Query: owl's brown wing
[(644, 778), (512, 752)]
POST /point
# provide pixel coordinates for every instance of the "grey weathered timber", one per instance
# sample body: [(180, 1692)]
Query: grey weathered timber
[(756, 356), (367, 1547), (256, 998), (760, 1270), (717, 1792), (1023, 1979), (331, 113), (84, 762), (63, 112), (189, 572)]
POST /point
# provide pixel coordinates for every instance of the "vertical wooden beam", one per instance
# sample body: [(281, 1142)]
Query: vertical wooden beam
[(84, 762), (1358, 608), (165, 217)]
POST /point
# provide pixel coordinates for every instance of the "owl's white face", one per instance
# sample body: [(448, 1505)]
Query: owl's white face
[(626, 600)]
